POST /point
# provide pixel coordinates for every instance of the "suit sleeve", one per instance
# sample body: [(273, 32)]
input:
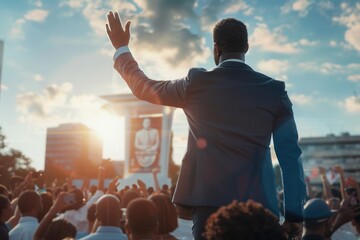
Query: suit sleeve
[(169, 93), (285, 138)]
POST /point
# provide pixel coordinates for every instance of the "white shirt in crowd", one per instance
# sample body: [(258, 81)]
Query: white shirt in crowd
[(183, 231), (345, 232), (25, 229), (78, 218)]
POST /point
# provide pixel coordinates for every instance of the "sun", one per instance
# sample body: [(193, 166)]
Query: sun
[(110, 128)]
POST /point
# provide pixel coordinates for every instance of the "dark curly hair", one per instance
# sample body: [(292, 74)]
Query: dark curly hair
[(231, 35), (244, 221)]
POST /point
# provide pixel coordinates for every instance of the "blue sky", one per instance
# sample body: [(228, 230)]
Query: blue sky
[(57, 61)]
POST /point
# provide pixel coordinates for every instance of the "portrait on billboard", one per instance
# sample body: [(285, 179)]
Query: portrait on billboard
[(145, 144)]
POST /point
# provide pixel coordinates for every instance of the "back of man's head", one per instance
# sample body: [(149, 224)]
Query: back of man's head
[(5, 209), (246, 221), (30, 203), (108, 211), (141, 218), (129, 196), (231, 36), (316, 215), (3, 190)]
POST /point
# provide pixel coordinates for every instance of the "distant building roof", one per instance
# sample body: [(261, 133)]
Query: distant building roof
[(331, 139)]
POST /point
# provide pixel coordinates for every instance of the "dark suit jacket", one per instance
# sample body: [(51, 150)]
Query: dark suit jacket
[(232, 113)]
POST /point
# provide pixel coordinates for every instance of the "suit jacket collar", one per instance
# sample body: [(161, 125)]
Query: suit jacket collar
[(234, 64)]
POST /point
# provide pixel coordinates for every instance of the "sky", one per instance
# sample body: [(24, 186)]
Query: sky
[(57, 61)]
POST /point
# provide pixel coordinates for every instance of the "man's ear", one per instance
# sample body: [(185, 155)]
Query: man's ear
[(246, 48), (217, 50)]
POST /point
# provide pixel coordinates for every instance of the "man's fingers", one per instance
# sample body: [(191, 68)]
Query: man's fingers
[(127, 27), (117, 18)]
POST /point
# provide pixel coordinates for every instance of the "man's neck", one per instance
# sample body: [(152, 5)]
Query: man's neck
[(141, 237), (29, 215), (226, 56)]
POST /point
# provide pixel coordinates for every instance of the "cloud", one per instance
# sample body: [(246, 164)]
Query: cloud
[(330, 68), (300, 6), (271, 41), (3, 87), (354, 78), (39, 106), (168, 31), (352, 104), (350, 18), (306, 42), (38, 77), (94, 11), (16, 30), (301, 99), (36, 15), (274, 67), (212, 9)]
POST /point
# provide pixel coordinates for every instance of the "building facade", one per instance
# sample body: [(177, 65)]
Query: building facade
[(331, 150), (70, 146)]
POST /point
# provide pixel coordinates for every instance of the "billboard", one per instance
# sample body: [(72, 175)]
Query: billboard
[(145, 141)]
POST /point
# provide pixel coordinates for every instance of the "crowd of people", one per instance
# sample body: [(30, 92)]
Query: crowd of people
[(141, 212)]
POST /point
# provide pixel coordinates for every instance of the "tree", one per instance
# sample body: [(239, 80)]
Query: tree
[(12, 162)]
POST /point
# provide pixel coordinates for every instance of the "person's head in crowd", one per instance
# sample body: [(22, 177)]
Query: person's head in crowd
[(5, 208), (333, 203), (3, 190), (128, 196), (127, 188), (246, 221), (65, 187), (60, 229), (134, 186), (14, 181), (79, 200), (230, 36), (30, 204), (93, 189), (47, 202), (108, 211), (141, 219), (166, 211), (150, 190), (165, 187), (316, 216)]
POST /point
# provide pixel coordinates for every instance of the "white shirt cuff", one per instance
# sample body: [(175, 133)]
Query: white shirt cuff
[(121, 50)]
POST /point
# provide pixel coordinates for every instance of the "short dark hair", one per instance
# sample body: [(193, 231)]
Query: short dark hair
[(60, 229), (166, 211), (141, 216), (231, 35), (3, 190), (4, 202), (28, 201), (246, 221)]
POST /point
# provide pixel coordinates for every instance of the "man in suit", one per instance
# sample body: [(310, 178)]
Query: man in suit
[(232, 113)]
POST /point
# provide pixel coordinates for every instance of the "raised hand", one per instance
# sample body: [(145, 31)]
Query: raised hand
[(113, 185), (118, 36)]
